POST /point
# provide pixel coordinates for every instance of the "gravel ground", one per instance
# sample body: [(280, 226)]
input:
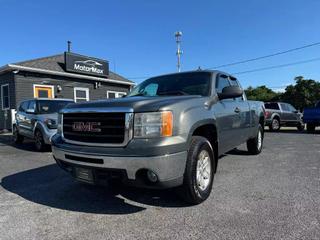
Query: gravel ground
[(275, 195)]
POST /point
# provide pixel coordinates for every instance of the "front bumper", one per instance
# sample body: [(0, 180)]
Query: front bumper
[(169, 167)]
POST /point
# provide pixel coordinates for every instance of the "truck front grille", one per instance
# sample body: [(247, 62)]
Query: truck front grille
[(95, 128)]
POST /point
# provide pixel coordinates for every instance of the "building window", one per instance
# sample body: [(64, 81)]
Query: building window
[(43, 91), (81, 94), (114, 94), (5, 99)]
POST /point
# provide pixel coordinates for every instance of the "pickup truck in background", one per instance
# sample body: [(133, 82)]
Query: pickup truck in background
[(282, 114), (311, 116), (168, 132)]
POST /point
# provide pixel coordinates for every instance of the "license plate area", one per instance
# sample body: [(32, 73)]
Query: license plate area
[(84, 174)]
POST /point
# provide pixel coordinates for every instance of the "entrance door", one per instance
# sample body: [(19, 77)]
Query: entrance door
[(43, 91)]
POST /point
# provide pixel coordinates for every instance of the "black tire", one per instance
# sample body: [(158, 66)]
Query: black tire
[(300, 127), (191, 191), (311, 128), (255, 145), (16, 137), (275, 124), (39, 142)]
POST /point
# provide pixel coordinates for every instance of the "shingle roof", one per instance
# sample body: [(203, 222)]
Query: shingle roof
[(56, 63)]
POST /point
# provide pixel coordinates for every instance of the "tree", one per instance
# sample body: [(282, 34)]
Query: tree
[(304, 93), (261, 93)]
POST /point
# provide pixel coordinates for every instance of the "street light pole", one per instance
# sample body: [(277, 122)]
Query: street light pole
[(179, 51)]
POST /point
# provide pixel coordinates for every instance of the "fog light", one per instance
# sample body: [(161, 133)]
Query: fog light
[(152, 176)]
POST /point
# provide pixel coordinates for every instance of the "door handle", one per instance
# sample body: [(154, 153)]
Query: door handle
[(237, 110)]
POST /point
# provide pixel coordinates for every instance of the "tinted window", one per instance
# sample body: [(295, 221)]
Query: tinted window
[(111, 95), (197, 83), (274, 106), (222, 82), (47, 107)]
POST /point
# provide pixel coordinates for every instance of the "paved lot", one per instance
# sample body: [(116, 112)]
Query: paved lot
[(275, 195)]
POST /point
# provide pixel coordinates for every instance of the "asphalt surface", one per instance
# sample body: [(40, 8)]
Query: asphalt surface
[(275, 195)]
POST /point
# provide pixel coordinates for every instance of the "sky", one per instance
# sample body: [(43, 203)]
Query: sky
[(137, 37)]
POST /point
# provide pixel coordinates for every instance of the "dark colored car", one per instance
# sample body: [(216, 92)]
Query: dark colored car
[(280, 114), (311, 116), (37, 119), (168, 132)]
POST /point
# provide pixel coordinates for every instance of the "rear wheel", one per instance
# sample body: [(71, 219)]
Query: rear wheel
[(17, 138), (254, 145), (275, 125), (39, 142), (199, 172), (311, 128)]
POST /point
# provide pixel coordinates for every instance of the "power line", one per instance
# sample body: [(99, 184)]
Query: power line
[(266, 56), (251, 59), (277, 66)]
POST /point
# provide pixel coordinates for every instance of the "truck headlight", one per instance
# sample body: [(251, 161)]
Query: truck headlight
[(153, 124)]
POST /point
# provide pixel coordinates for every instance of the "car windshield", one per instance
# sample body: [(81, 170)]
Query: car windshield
[(197, 83), (48, 107)]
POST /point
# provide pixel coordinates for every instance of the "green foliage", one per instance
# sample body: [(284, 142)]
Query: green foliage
[(304, 93), (261, 93)]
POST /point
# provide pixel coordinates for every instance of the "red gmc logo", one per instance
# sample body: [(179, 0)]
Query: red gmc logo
[(86, 127)]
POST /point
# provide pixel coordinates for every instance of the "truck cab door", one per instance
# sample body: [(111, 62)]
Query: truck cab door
[(21, 118), (228, 118)]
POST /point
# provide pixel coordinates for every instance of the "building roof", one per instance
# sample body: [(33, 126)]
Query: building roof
[(56, 64)]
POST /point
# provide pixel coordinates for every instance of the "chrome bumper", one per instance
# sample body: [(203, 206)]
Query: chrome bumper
[(167, 167)]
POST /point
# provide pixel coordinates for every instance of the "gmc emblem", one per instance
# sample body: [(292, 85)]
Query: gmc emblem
[(86, 127)]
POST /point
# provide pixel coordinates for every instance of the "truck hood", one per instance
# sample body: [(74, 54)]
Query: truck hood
[(137, 104)]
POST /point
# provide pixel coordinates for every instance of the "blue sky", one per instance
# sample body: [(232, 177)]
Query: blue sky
[(137, 37)]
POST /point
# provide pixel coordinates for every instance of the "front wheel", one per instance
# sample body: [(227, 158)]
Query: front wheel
[(199, 172), (255, 144), (39, 142)]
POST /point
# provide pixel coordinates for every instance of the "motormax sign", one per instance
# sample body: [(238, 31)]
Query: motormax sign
[(86, 65)]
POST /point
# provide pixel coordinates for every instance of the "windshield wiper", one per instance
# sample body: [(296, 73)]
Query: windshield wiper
[(176, 92)]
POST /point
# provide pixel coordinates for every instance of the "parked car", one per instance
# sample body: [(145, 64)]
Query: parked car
[(168, 132), (37, 119), (282, 114), (311, 116)]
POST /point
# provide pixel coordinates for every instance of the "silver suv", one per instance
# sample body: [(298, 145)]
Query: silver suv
[(37, 119)]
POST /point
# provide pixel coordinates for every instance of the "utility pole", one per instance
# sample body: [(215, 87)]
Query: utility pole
[(179, 51), (69, 46)]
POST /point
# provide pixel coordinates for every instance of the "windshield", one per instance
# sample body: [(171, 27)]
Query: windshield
[(198, 83), (48, 107)]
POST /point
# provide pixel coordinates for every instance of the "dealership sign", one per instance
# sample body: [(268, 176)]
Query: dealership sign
[(86, 65)]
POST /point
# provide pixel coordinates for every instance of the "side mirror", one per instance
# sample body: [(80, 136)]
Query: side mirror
[(295, 111), (30, 111), (230, 92)]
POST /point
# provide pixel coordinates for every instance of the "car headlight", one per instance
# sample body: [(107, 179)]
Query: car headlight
[(153, 124), (51, 123)]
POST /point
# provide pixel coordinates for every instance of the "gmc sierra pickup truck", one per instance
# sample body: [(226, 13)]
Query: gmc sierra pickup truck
[(168, 132)]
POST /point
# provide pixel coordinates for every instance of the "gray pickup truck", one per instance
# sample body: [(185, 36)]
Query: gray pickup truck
[(168, 132)]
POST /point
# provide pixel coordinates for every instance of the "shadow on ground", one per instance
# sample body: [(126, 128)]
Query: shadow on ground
[(292, 131), (52, 187), (27, 145)]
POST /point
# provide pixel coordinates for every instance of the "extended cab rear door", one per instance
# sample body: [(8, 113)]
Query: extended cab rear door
[(228, 118)]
